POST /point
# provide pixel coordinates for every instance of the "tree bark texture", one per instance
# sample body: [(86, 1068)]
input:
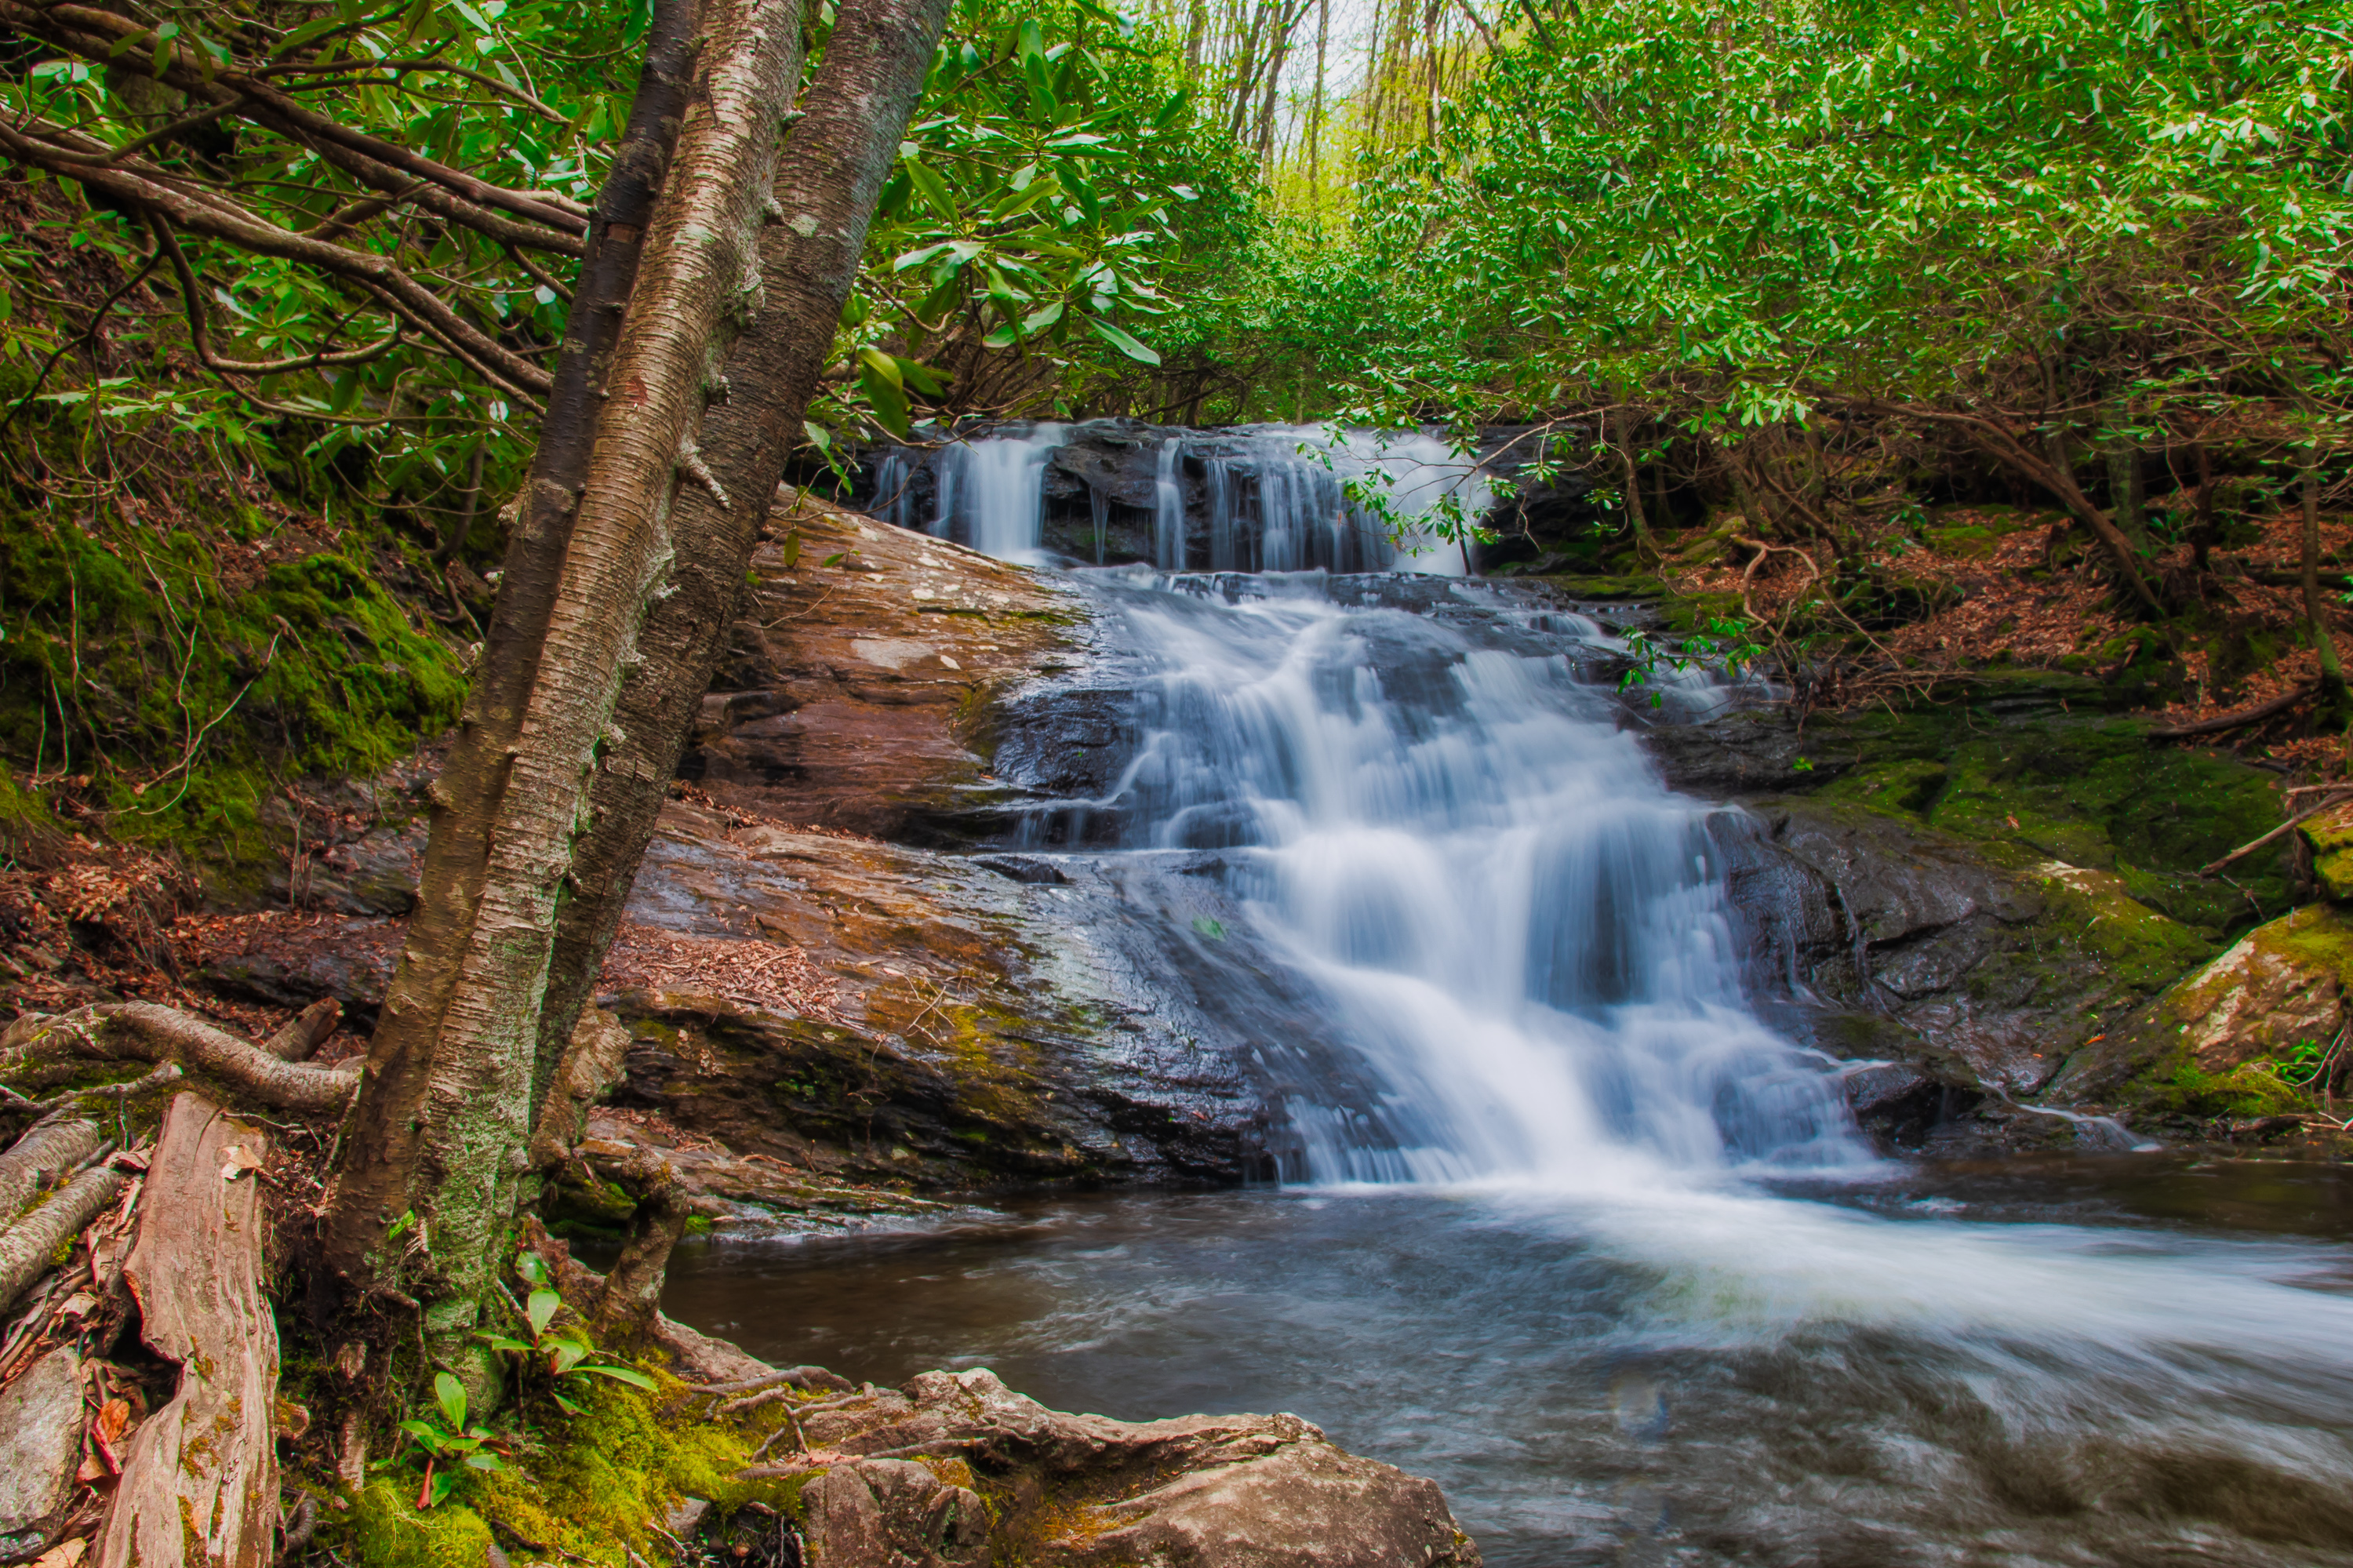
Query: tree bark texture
[(442, 1129), (828, 180), (52, 1147), (29, 1248), (200, 1479), (374, 1186), (2332, 703)]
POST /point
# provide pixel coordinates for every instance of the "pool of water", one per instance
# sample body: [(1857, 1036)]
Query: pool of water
[(2131, 1360)]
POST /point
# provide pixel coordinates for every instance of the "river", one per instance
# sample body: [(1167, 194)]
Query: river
[(1600, 1250)]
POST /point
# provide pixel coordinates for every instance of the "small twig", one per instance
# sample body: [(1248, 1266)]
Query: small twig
[(2247, 849)]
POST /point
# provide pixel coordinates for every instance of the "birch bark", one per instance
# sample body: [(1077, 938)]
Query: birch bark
[(442, 1127)]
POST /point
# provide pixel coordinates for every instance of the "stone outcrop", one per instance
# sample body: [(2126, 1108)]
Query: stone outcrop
[(863, 670), (1983, 894), (2276, 992), (954, 1467)]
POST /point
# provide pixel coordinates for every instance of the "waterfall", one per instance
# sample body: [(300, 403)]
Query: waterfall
[(1519, 929), (1167, 509), (1279, 497), (995, 487)]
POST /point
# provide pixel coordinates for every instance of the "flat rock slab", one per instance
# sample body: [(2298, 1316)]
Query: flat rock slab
[(40, 1446)]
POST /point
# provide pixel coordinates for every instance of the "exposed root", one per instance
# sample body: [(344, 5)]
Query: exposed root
[(29, 1247), (52, 1148), (38, 1045)]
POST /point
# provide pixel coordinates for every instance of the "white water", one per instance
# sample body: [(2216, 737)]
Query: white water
[(1555, 1259), (995, 487), (1527, 937), (1277, 498)]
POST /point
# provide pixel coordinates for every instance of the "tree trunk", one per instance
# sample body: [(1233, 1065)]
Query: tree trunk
[(1316, 116), (441, 1129), (2331, 711), (828, 179), (1644, 545)]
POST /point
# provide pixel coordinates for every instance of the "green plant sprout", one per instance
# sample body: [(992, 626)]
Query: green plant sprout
[(449, 1442), (562, 1354)]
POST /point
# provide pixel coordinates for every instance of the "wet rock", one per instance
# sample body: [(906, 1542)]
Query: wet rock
[(40, 1446), (855, 696), (2280, 986), (1198, 1491), (1984, 974), (982, 1028)]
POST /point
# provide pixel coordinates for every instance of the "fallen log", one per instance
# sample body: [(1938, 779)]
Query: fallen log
[(199, 1482), (47, 1150)]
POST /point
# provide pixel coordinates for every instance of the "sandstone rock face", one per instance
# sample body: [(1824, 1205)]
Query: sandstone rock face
[(1200, 1491)]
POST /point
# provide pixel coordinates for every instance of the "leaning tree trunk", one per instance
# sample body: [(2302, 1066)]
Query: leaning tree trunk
[(828, 179), (441, 1131)]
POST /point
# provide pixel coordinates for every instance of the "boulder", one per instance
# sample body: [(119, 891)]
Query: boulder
[(955, 1465), (2279, 987)]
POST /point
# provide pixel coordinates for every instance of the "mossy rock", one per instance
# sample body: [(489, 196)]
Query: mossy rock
[(1967, 542), (2213, 1042), (388, 1532), (1609, 588), (2330, 834)]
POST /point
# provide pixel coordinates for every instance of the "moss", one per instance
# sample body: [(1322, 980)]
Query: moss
[(601, 1477), (387, 1532), (1610, 588), (183, 699), (2012, 762), (2249, 1089)]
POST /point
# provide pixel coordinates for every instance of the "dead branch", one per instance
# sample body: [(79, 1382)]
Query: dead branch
[(300, 1040), (2251, 847), (2240, 720)]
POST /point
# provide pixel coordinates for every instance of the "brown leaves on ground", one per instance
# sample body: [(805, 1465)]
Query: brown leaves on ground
[(2005, 606), (747, 970)]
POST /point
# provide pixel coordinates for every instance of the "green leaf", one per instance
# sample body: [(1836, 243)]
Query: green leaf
[(922, 378), (505, 1343), (531, 1268), (630, 1375), (485, 1462), (1172, 111), (540, 1310), (451, 1395), (1121, 341), (887, 399), (882, 364), (565, 1354), (932, 188)]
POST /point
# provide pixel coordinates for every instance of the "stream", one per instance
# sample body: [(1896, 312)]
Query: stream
[(1588, 1241)]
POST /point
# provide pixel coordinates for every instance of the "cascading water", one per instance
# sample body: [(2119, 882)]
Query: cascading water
[(994, 487), (1586, 1240), (1513, 923)]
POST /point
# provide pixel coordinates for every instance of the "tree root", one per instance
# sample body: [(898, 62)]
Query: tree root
[(28, 1247), (144, 1032), (53, 1146)]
